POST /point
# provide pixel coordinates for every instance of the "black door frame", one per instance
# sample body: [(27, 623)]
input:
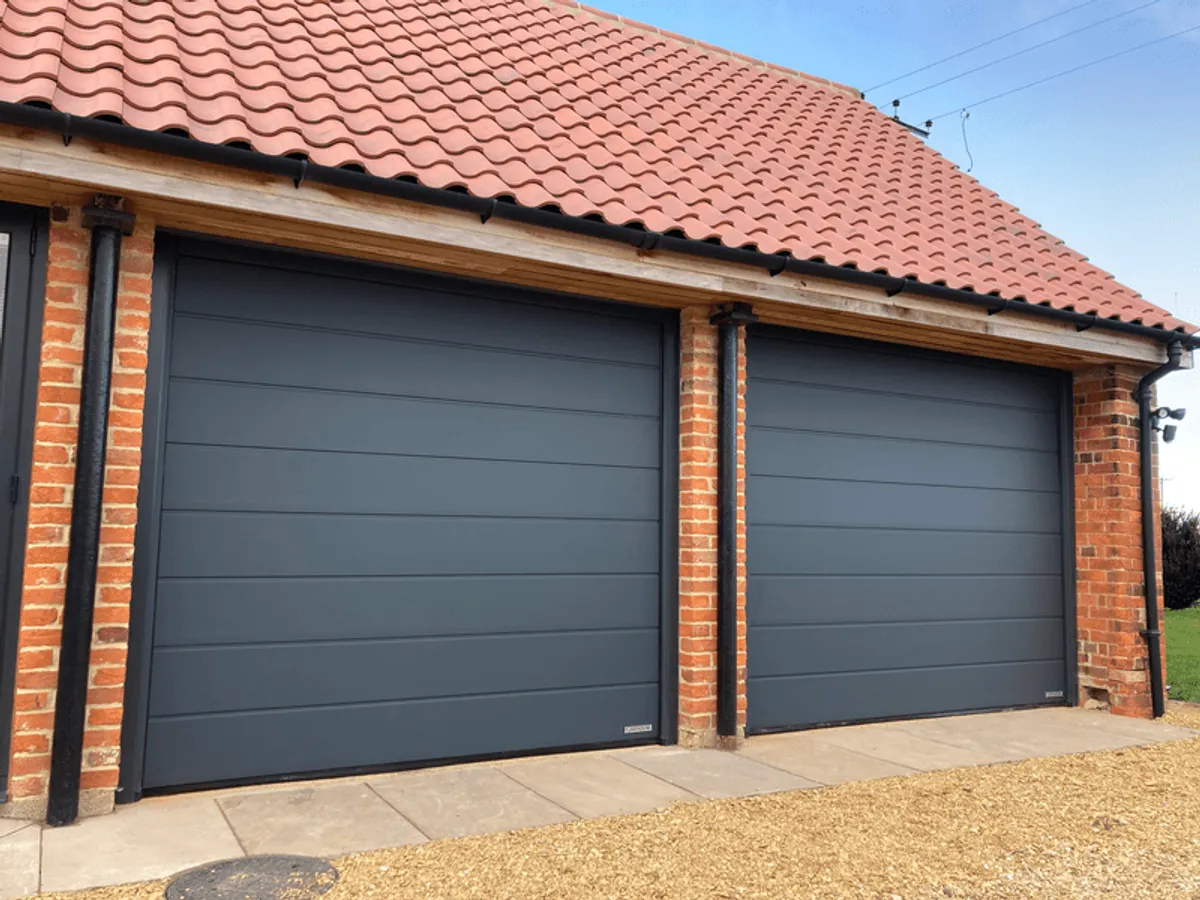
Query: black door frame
[(1066, 460), (27, 228), (145, 567)]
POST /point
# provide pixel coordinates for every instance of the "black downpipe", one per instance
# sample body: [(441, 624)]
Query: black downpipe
[(107, 224), (1153, 630), (299, 171), (729, 320)]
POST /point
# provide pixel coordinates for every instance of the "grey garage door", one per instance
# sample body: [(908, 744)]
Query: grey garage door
[(904, 547), (402, 519)]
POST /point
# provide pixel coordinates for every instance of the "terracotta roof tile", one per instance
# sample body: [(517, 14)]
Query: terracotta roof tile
[(552, 103)]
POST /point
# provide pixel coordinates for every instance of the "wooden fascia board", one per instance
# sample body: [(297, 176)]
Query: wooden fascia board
[(222, 201)]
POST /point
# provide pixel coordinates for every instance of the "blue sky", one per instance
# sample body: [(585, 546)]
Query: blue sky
[(1107, 159)]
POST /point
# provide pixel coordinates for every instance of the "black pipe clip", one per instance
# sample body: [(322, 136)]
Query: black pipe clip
[(733, 314), (100, 214), (489, 212)]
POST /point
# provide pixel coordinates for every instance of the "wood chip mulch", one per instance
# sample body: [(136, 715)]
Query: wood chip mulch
[(1119, 824)]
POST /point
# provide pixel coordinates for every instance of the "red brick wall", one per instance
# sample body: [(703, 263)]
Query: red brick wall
[(698, 529), (50, 515), (1111, 602)]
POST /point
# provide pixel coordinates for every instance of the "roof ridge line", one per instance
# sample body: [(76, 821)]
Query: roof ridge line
[(807, 77)]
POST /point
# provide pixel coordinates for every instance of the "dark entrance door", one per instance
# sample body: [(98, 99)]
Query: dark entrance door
[(22, 276)]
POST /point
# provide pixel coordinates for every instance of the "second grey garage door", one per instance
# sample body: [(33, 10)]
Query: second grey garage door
[(905, 546), (402, 519)]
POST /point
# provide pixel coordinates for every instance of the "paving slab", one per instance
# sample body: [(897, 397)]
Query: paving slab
[(1005, 740), (20, 861), (8, 826), (806, 755), (715, 774), (154, 838), (891, 743), (327, 820), (1101, 730), (459, 802), (1023, 734), (593, 786), (1144, 730)]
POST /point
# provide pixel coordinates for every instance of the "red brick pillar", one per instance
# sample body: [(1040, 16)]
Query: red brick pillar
[(114, 575), (51, 485), (1110, 595), (698, 530)]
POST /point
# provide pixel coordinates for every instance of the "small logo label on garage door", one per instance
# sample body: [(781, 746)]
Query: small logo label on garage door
[(639, 729), (1054, 695)]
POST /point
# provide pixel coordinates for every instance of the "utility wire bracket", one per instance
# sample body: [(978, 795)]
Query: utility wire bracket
[(918, 131)]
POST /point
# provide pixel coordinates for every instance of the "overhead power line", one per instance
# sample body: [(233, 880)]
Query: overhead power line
[(1070, 71), (987, 43), (1053, 40)]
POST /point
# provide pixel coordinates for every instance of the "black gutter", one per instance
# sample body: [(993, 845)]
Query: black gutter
[(1153, 630), (300, 171), (729, 320), (107, 223)]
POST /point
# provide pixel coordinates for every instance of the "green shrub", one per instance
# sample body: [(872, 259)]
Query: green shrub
[(1181, 558)]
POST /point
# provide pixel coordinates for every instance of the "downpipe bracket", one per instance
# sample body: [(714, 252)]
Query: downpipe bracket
[(104, 212), (733, 314)]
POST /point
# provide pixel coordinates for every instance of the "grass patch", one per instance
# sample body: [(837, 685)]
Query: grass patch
[(1183, 653)]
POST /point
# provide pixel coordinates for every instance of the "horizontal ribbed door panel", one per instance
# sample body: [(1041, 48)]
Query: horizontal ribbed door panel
[(904, 533), (403, 519)]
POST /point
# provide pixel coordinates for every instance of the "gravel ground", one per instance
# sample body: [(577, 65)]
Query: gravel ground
[(1120, 824)]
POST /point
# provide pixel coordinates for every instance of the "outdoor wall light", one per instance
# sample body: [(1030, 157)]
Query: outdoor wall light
[(1168, 431)]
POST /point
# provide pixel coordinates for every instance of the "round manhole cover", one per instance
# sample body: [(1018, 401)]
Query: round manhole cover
[(256, 878)]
